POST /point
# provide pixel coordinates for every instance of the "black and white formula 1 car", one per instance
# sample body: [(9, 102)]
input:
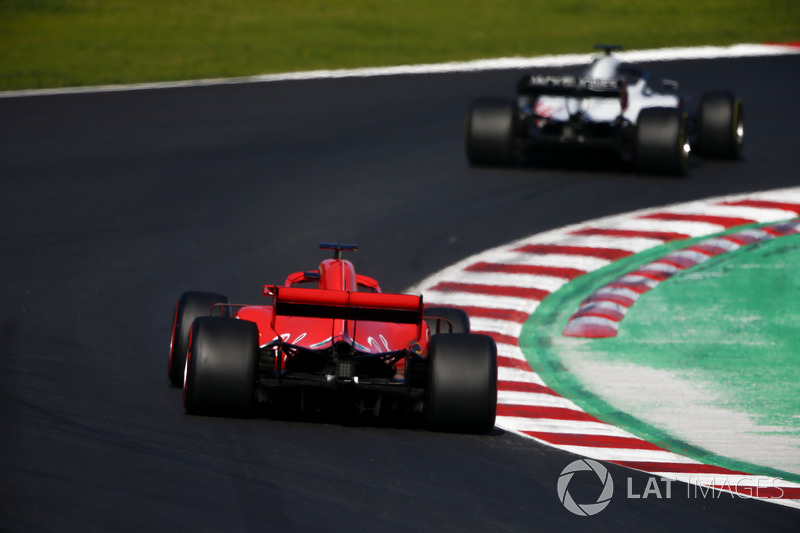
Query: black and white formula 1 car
[(610, 108)]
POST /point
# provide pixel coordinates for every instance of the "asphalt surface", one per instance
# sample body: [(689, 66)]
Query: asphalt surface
[(112, 204)]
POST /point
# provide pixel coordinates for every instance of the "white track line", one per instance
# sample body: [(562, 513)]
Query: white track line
[(504, 63)]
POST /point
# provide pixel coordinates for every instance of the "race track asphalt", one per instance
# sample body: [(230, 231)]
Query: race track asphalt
[(112, 204)]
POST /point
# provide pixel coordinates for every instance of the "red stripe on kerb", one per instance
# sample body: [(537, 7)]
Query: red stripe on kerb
[(510, 362), (499, 314), (497, 290), (500, 338), (655, 275), (769, 493), (742, 239), (609, 297), (602, 441), (727, 222), (775, 232), (766, 204), (639, 288), (611, 254), (548, 413), (524, 386), (534, 270), (632, 233), (706, 251), (782, 230), (709, 249), (599, 311), (678, 261), (589, 331), (680, 468)]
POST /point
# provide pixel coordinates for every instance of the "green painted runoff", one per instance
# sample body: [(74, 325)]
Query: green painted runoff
[(727, 328)]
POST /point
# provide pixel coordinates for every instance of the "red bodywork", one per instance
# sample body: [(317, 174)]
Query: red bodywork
[(317, 310), (330, 342)]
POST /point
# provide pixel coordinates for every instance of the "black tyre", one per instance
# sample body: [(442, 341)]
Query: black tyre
[(222, 367), (720, 125), (461, 393), (446, 320), (189, 306), (661, 141), (490, 131)]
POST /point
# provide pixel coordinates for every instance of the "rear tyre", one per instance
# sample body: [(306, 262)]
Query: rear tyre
[(454, 320), (720, 125), (489, 132), (221, 367), (461, 393), (661, 141), (190, 305)]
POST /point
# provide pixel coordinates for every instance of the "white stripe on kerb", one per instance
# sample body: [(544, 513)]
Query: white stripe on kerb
[(527, 281), (574, 427), (518, 375), (758, 214), (629, 244), (504, 327), (485, 301), (536, 399), (690, 228), (512, 352), (625, 454)]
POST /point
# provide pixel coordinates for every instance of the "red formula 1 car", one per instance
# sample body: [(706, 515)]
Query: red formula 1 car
[(330, 340)]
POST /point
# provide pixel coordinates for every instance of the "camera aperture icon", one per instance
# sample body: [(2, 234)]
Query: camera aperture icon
[(585, 509)]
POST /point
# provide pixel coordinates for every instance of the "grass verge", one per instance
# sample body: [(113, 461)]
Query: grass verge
[(63, 43)]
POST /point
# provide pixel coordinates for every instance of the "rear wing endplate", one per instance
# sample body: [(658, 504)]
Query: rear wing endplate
[(343, 305)]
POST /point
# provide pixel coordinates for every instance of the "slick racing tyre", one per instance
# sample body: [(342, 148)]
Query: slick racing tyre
[(661, 141), (221, 367), (461, 392), (189, 306), (446, 320), (720, 125), (489, 132)]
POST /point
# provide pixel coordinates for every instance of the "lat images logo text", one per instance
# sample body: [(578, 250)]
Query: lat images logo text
[(581, 481)]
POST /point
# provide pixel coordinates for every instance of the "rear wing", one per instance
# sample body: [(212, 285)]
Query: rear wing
[(571, 86), (343, 305)]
